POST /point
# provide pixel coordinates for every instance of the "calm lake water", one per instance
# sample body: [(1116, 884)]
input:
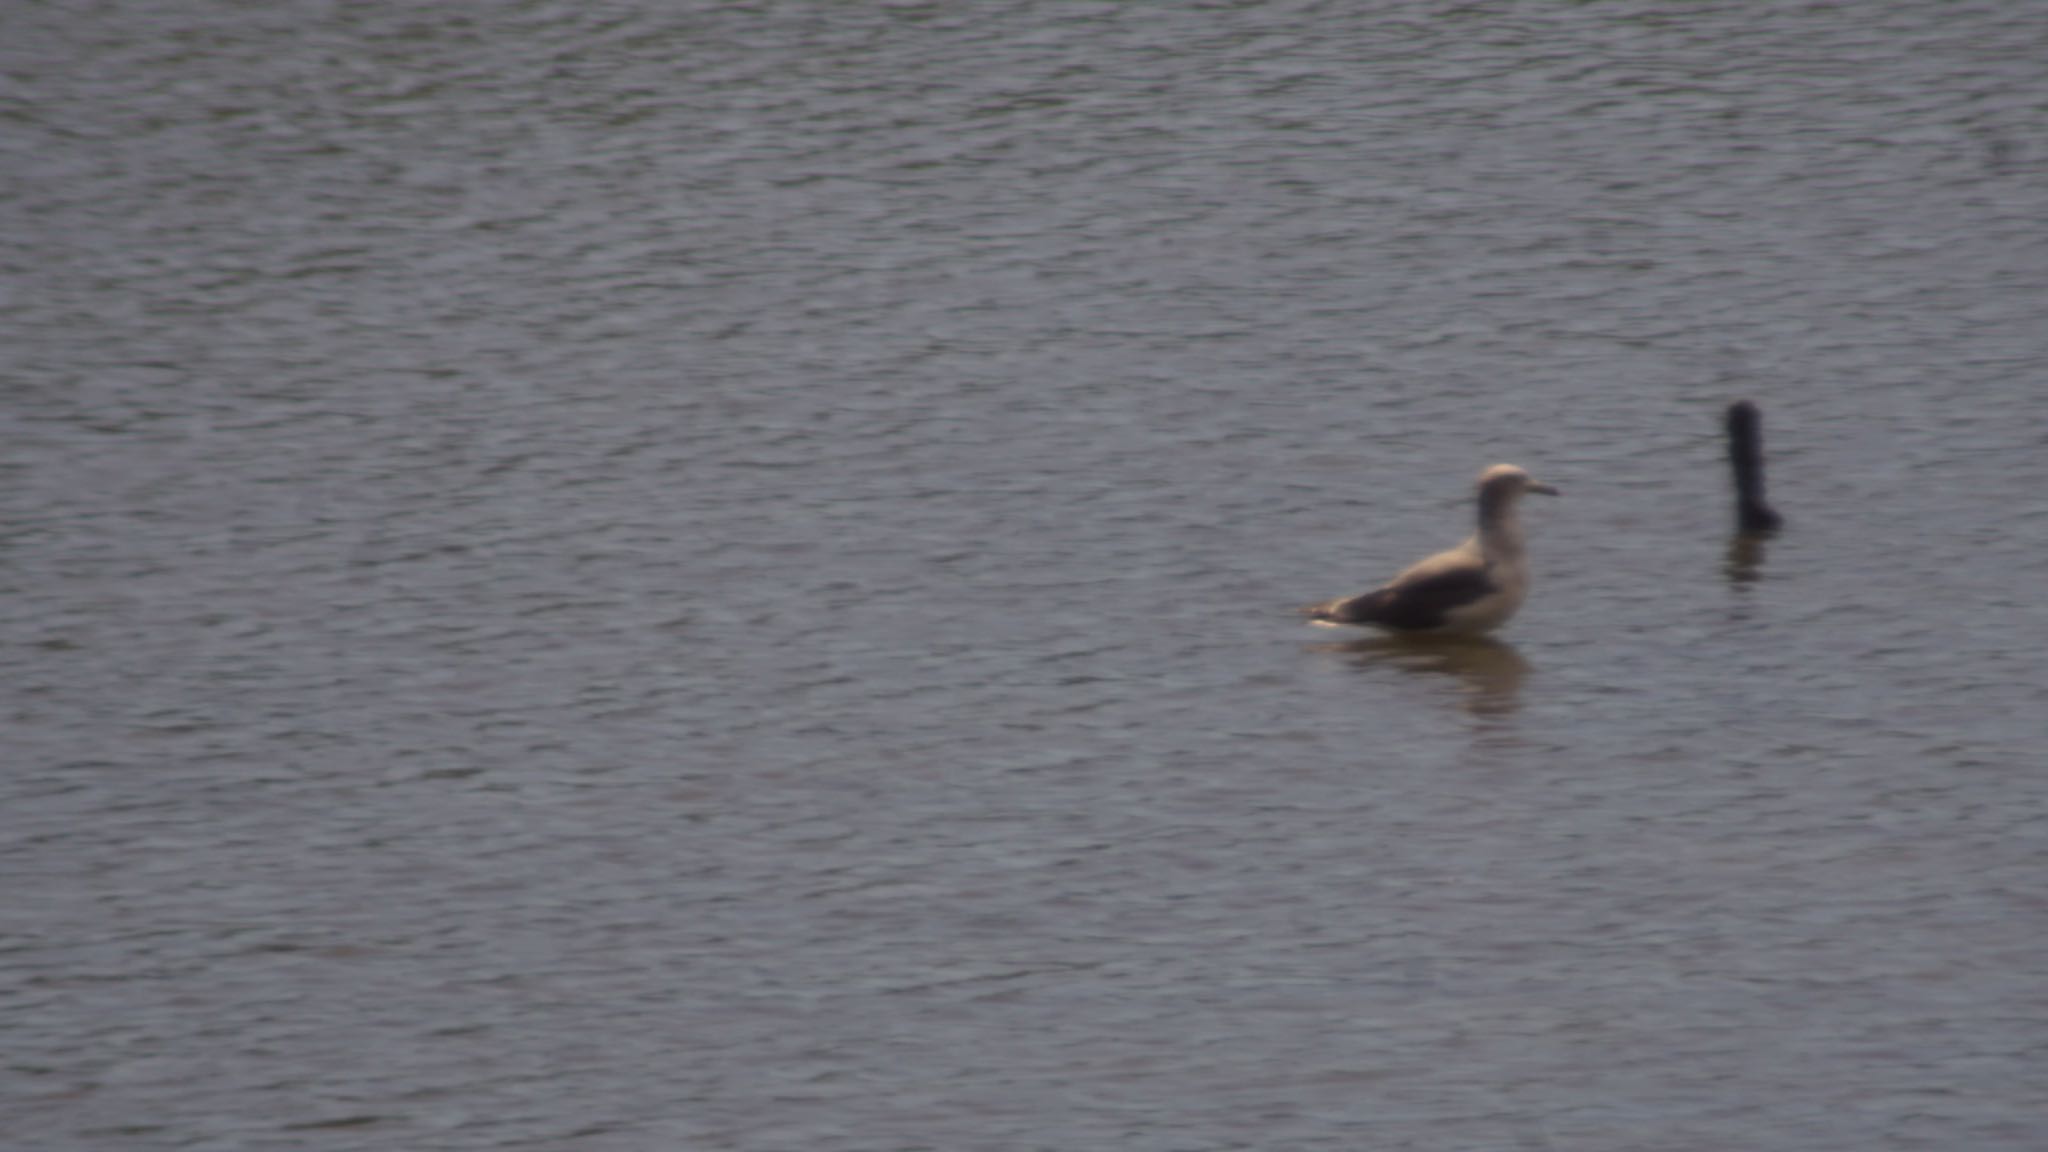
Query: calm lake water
[(719, 576)]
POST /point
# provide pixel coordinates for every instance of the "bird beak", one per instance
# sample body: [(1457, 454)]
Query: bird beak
[(1545, 489)]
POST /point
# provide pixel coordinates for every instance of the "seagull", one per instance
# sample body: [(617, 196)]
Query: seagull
[(1466, 590)]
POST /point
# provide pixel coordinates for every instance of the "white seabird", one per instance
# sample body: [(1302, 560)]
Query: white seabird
[(1466, 590)]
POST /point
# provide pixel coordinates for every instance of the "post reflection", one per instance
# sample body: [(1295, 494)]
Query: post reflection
[(1745, 564)]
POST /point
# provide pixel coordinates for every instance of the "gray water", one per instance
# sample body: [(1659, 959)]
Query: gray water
[(719, 576)]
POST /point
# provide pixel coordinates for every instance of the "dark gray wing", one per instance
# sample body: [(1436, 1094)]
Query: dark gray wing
[(1412, 606)]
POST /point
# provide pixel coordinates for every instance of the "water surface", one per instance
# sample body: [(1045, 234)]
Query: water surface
[(719, 577)]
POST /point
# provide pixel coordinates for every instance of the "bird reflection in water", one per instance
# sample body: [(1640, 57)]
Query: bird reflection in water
[(1489, 672)]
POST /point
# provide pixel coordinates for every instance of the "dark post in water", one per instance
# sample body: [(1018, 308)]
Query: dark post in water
[(1753, 517)]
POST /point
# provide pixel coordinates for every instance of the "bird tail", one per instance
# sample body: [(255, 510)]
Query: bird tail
[(1344, 610)]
